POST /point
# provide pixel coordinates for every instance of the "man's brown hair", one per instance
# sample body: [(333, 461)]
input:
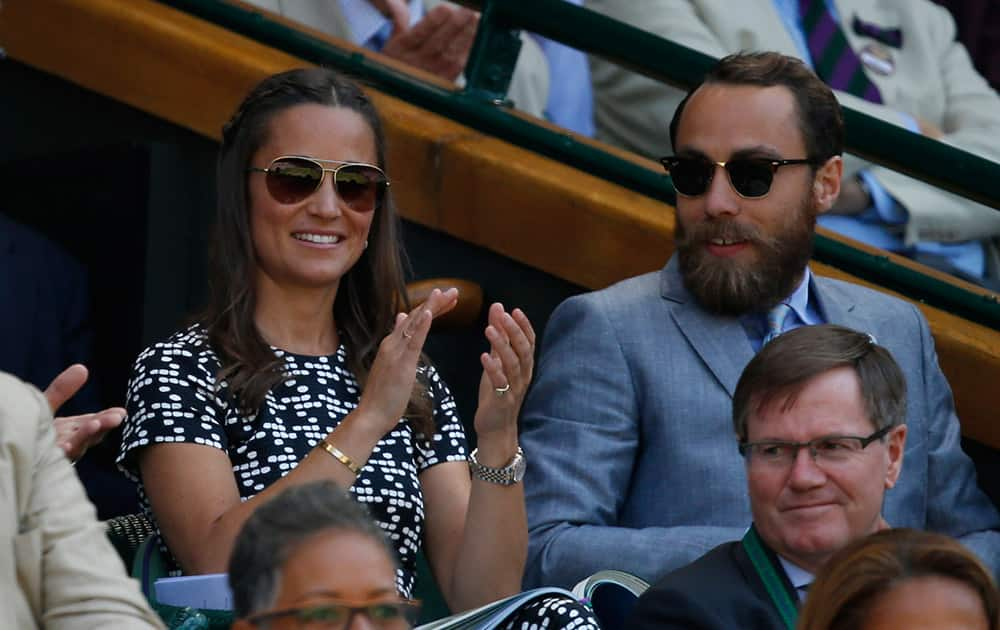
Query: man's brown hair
[(820, 119), (783, 368)]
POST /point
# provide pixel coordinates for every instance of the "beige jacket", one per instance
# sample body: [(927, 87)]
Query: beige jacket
[(57, 567), (932, 79)]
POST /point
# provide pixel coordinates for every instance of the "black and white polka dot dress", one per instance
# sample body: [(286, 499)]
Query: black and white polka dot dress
[(173, 396)]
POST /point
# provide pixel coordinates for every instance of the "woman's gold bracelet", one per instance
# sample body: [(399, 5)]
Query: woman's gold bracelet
[(341, 457)]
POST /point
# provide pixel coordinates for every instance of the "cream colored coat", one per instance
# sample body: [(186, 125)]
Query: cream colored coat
[(57, 567), (933, 80)]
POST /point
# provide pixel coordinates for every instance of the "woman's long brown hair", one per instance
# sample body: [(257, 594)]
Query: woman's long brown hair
[(370, 293)]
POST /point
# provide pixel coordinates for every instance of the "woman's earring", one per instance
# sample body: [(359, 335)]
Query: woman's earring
[(366, 243)]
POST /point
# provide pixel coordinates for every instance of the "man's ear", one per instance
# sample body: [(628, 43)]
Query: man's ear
[(826, 183), (895, 448)]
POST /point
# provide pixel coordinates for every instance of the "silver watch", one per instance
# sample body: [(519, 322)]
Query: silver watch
[(510, 474)]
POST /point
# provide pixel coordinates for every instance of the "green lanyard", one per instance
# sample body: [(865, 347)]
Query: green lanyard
[(769, 575)]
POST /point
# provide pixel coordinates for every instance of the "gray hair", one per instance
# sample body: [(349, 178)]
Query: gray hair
[(783, 368), (276, 529)]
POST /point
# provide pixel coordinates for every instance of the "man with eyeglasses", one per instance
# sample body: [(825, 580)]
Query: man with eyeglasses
[(819, 416), (629, 413)]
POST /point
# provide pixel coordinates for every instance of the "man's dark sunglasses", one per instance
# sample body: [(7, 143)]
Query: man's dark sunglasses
[(750, 177)]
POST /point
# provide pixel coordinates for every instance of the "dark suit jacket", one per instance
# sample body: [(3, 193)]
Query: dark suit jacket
[(719, 590), (44, 322)]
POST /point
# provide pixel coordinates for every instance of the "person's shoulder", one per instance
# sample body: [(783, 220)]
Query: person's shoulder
[(642, 285), (682, 599), (194, 337), (188, 345), (708, 569), (437, 386), (16, 393), (29, 246), (19, 403), (863, 296), (621, 295)]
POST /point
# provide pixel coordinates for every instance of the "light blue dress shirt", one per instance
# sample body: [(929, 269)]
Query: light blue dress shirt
[(881, 224), (799, 577), (571, 101)]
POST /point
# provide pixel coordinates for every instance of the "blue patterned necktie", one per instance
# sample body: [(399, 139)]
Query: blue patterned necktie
[(775, 322), (833, 59)]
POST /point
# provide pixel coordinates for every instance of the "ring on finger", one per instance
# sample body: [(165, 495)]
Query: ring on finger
[(407, 334), (502, 390)]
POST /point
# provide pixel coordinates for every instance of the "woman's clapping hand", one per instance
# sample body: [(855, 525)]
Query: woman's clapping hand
[(507, 370), (394, 371)]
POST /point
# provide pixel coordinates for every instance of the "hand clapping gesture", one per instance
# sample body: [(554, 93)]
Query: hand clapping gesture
[(394, 370), (507, 370)]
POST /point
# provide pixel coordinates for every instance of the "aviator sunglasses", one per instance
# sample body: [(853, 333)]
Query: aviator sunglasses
[(293, 178), (750, 177)]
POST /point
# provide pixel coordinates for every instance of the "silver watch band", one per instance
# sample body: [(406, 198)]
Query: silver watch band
[(510, 474)]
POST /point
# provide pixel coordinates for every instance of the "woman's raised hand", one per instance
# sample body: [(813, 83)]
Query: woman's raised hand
[(507, 370), (394, 370)]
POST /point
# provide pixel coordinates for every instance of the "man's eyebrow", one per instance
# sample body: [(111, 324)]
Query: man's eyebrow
[(830, 436), (760, 151), (689, 152)]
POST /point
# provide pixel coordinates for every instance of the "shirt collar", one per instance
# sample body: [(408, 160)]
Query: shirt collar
[(799, 577), (799, 299)]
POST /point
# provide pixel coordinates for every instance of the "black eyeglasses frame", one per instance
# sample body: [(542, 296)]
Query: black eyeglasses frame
[(671, 162), (745, 448)]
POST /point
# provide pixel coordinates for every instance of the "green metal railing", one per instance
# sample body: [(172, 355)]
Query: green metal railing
[(968, 174), (480, 106)]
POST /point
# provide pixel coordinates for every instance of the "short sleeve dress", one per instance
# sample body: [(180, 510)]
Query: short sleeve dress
[(174, 396)]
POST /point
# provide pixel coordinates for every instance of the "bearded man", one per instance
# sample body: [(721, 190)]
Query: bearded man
[(633, 466)]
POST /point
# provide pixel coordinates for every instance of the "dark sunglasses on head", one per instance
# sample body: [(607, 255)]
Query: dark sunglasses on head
[(293, 178), (750, 177)]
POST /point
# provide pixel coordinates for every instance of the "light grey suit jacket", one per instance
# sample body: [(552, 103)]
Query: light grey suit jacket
[(57, 568), (933, 80), (628, 431)]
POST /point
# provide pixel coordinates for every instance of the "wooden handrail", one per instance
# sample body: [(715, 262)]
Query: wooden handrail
[(448, 176)]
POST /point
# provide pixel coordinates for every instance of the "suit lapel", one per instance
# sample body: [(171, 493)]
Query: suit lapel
[(719, 341), (756, 583), (837, 306)]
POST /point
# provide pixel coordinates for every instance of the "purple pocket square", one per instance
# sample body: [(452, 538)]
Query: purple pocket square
[(888, 36)]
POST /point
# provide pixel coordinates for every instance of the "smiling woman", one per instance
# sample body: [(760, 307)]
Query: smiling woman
[(307, 364), (305, 233)]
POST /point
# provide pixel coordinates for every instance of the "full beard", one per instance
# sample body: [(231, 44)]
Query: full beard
[(726, 286)]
